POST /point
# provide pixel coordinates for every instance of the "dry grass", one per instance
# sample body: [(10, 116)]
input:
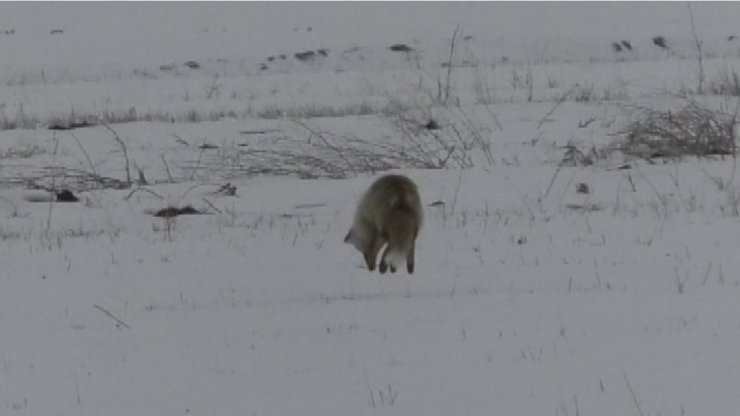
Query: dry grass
[(694, 130), (316, 110), (726, 83), (50, 177), (321, 155)]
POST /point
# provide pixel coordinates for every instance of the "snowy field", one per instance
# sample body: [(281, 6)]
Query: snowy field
[(559, 271)]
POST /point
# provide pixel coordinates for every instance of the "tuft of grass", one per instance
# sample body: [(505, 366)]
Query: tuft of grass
[(21, 152), (382, 397), (694, 130), (317, 110), (328, 155), (727, 83)]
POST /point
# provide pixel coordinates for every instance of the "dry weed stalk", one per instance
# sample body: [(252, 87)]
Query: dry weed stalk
[(120, 142)]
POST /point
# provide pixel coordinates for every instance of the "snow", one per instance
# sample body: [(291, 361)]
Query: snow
[(528, 298)]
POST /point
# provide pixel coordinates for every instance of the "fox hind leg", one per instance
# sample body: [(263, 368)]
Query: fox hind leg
[(372, 254), (369, 261), (383, 267), (410, 260), (385, 264)]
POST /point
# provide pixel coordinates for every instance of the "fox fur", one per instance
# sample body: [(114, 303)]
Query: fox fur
[(389, 214)]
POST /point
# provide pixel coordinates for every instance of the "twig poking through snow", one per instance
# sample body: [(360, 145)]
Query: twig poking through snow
[(699, 52), (557, 104), (447, 86), (634, 396), (167, 168), (119, 323), (117, 138), (457, 189), (84, 152), (213, 207), (127, 197)]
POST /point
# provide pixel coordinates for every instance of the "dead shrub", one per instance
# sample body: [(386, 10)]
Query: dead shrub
[(575, 156), (321, 155), (694, 130)]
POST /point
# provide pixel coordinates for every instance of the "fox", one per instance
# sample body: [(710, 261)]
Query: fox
[(389, 213)]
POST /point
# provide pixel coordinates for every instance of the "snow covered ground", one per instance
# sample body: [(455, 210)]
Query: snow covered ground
[(555, 275)]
